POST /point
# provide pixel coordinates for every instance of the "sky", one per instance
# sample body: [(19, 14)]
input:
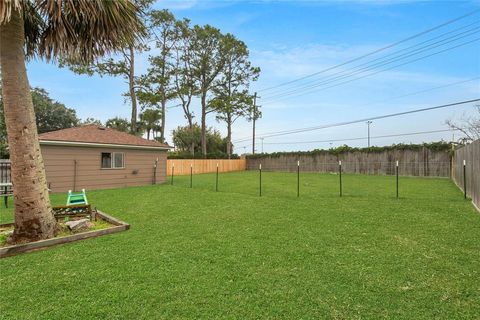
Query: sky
[(289, 40)]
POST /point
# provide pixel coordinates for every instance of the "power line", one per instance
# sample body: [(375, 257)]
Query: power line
[(360, 138), (401, 50), (300, 130), (451, 84), (294, 93), (387, 69), (382, 61), (375, 51), (348, 74), (366, 119), (364, 138), (447, 85)]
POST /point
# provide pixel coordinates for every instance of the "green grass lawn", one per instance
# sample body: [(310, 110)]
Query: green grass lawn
[(197, 253)]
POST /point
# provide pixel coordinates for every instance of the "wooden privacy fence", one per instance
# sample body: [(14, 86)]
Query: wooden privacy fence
[(471, 154), (422, 162), (182, 166)]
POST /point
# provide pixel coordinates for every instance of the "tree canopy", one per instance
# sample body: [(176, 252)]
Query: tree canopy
[(90, 120), (183, 140), (150, 121), (119, 124), (122, 65), (155, 88), (50, 115), (189, 62), (231, 98)]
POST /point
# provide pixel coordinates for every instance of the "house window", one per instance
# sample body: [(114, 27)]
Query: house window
[(118, 160), (113, 160), (106, 160)]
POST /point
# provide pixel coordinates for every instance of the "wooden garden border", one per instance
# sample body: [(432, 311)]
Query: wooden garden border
[(119, 226)]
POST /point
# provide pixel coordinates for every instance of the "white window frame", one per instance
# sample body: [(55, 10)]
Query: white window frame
[(112, 161)]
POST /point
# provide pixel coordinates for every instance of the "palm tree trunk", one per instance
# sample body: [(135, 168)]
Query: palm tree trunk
[(133, 96), (33, 213)]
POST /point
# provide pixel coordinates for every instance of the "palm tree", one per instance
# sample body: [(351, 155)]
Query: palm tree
[(150, 120), (78, 30), (119, 124)]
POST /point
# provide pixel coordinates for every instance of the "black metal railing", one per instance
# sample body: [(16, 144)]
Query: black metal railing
[(5, 176)]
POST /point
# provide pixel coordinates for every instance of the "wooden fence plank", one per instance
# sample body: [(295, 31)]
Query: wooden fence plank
[(422, 162), (471, 154), (182, 166)]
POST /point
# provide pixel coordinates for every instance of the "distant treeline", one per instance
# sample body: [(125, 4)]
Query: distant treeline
[(433, 146), (211, 155)]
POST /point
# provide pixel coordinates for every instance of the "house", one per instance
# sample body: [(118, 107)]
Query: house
[(93, 157)]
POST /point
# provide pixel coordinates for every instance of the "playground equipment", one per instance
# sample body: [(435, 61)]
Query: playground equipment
[(76, 198)]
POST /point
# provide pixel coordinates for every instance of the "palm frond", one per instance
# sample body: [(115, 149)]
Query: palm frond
[(76, 30), (33, 26), (81, 30), (6, 7)]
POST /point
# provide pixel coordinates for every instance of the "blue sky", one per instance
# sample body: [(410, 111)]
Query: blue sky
[(291, 39)]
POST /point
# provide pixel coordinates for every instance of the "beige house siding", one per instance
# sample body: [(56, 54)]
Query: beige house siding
[(138, 170)]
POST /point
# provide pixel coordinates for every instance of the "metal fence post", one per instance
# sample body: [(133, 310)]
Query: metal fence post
[(216, 181), (155, 171), (340, 175), (173, 171), (260, 171), (74, 175), (464, 179), (396, 174), (298, 178), (191, 175), (5, 190)]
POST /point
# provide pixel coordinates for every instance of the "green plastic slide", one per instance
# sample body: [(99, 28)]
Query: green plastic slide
[(76, 198)]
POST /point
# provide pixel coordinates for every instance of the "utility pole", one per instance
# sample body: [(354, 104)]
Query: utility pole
[(254, 118), (368, 125)]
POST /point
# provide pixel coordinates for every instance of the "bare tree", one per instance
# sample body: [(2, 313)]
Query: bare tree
[(468, 125)]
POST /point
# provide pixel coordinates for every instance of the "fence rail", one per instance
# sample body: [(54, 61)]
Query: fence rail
[(183, 166), (471, 154)]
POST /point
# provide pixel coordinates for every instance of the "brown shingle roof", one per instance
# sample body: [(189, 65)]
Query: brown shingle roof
[(96, 134)]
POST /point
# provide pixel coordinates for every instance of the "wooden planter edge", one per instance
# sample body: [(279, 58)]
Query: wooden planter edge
[(119, 226)]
